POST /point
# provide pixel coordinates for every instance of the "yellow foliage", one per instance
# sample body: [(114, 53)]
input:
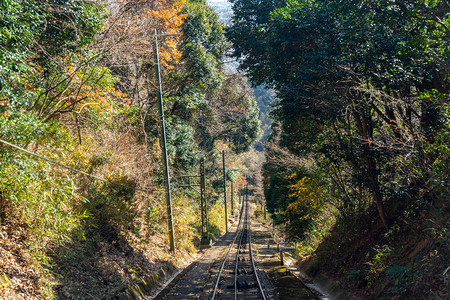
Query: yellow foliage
[(292, 176), (156, 149), (307, 194), (221, 146), (171, 19), (304, 188), (84, 94)]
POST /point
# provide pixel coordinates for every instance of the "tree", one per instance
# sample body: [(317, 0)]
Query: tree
[(232, 116), (362, 71), (19, 22)]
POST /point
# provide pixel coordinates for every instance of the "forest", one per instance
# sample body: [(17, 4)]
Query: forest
[(357, 166), (78, 86), (354, 169)]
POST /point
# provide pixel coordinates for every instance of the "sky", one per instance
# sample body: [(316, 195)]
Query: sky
[(222, 7)]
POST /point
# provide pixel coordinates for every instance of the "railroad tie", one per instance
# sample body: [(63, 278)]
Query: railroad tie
[(245, 284)]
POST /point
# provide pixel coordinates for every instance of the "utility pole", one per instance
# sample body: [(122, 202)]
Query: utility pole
[(265, 209), (232, 199), (225, 190), (203, 208), (246, 192), (164, 150), (240, 193), (245, 189)]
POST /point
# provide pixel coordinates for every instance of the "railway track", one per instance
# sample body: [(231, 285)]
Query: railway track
[(238, 276)]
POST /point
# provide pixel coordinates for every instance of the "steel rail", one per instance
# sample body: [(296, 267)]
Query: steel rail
[(243, 230), (255, 271), (238, 249), (226, 256)]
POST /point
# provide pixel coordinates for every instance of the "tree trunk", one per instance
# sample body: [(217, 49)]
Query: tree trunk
[(371, 169), (77, 122)]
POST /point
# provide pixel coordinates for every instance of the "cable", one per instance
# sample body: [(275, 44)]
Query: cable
[(75, 170)]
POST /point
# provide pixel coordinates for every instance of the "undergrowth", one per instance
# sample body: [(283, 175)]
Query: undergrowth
[(88, 238), (409, 261)]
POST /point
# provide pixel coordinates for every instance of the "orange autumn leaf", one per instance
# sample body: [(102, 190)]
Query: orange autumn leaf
[(171, 19), (85, 93)]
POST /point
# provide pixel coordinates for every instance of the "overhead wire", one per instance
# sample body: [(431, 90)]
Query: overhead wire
[(76, 170)]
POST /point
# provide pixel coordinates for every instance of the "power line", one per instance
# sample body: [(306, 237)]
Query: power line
[(75, 170)]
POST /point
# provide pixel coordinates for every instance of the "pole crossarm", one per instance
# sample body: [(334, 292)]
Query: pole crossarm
[(167, 34), (195, 189), (189, 185)]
